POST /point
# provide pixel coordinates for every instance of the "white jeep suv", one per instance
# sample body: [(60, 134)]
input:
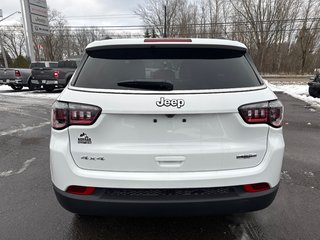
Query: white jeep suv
[(166, 127)]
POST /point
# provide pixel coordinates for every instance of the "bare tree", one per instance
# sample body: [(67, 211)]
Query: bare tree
[(212, 18), (186, 16), (264, 20), (14, 41), (153, 14), (308, 36), (215, 9), (78, 39), (51, 47)]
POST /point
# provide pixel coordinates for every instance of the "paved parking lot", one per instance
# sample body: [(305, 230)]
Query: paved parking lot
[(29, 210)]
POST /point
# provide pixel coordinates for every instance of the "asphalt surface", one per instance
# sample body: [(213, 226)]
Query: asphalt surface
[(29, 210)]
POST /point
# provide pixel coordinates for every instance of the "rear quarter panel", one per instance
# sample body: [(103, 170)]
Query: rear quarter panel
[(65, 75)]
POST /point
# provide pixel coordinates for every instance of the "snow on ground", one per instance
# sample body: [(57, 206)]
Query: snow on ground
[(6, 90), (299, 91)]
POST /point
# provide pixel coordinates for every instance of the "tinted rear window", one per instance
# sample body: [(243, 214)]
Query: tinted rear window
[(53, 64), (67, 64), (37, 65), (184, 68)]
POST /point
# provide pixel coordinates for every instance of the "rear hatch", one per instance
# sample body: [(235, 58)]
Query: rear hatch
[(170, 110)]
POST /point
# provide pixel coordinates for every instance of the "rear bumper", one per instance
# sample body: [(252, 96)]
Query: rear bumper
[(102, 203), (49, 82), (12, 82), (44, 82)]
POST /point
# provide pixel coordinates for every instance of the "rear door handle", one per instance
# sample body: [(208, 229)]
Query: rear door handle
[(170, 161)]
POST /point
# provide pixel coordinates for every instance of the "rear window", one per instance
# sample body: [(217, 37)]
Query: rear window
[(182, 68), (37, 65), (53, 64), (67, 64)]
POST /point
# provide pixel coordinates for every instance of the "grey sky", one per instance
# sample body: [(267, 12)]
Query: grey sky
[(83, 12)]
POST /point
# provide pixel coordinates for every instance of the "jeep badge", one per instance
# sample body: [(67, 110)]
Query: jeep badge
[(170, 102)]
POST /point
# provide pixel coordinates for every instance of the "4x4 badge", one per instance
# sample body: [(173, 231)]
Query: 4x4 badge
[(170, 102), (84, 139)]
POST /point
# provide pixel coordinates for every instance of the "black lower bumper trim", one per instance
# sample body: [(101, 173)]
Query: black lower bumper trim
[(98, 204)]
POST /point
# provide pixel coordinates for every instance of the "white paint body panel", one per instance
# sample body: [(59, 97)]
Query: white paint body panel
[(128, 139), (142, 154), (64, 171)]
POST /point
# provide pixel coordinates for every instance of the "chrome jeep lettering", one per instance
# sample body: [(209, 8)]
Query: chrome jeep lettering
[(170, 102)]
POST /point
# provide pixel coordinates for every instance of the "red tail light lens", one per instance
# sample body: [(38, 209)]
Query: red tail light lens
[(17, 73), (56, 73), (66, 114), (257, 187), (266, 112), (80, 190), (59, 115)]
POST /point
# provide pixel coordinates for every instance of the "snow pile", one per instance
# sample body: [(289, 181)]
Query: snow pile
[(297, 91)]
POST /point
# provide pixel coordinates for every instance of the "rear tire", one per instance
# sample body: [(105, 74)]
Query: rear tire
[(16, 87), (49, 88), (314, 92)]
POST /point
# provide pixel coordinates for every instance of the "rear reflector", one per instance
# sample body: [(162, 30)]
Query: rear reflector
[(168, 40), (257, 187), (64, 114), (264, 112), (80, 190)]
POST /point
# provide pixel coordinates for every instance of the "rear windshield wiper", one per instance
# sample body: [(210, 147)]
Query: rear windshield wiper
[(148, 85)]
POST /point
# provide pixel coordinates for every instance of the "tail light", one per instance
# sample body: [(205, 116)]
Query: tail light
[(56, 74), (265, 112), (80, 190), (257, 187), (65, 114), (17, 73)]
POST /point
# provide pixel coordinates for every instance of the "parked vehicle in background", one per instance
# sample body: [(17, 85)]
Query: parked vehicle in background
[(37, 68), (314, 84), (54, 77), (166, 127), (17, 78)]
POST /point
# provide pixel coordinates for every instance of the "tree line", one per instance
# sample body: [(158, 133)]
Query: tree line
[(282, 35)]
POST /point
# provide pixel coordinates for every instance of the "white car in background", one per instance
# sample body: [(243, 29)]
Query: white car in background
[(166, 127)]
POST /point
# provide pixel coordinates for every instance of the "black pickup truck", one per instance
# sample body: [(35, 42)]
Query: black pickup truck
[(314, 84), (51, 78)]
